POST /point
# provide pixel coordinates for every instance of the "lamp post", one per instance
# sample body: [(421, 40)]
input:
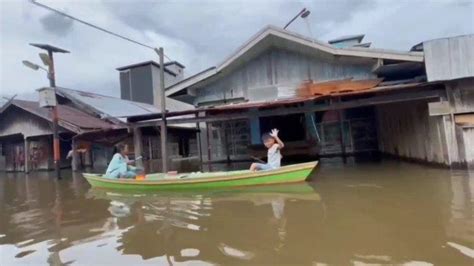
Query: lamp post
[(303, 14), (48, 60)]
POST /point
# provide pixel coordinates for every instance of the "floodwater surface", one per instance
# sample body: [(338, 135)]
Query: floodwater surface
[(371, 213)]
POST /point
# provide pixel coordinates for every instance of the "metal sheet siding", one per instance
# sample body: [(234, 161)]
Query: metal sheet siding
[(142, 84), (125, 85), (449, 58)]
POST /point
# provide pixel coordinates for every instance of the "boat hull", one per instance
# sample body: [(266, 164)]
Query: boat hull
[(287, 174)]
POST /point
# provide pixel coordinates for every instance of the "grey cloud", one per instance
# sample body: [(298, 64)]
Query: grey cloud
[(218, 27), (56, 24)]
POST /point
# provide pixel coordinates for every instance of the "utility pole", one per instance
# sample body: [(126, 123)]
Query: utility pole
[(52, 83), (163, 128)]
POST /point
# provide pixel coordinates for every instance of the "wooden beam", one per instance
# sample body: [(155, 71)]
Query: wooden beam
[(199, 143), (138, 146), (208, 137), (26, 154), (342, 134)]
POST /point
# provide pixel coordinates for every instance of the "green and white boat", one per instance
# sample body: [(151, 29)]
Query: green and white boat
[(285, 174)]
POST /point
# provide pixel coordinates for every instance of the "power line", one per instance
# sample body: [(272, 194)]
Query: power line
[(94, 26)]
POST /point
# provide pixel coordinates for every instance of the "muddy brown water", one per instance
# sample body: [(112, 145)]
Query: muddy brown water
[(372, 213)]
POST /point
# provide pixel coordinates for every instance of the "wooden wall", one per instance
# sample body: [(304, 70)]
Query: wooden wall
[(407, 130), (260, 77), (16, 121)]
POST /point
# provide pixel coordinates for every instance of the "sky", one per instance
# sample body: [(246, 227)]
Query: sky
[(198, 34)]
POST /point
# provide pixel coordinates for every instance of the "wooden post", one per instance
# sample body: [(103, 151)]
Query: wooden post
[(138, 146), (90, 156), (341, 130), (26, 154), (75, 154), (199, 143), (208, 137), (226, 142)]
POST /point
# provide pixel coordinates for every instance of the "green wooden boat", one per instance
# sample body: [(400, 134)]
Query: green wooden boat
[(285, 174)]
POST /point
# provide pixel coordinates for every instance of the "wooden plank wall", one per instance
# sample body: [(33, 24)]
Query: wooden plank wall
[(16, 121), (278, 68), (407, 130)]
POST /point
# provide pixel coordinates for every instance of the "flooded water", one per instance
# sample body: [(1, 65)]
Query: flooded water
[(372, 213)]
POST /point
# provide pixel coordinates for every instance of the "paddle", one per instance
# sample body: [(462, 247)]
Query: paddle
[(257, 159)]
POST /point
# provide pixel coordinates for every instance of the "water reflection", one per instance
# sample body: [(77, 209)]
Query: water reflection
[(388, 213), (179, 222)]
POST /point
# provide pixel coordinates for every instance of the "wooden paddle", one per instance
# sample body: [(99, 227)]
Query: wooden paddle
[(257, 159)]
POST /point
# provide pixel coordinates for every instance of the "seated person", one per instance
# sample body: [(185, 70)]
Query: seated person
[(119, 166), (274, 145)]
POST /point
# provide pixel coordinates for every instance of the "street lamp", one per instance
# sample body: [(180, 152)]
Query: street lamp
[(33, 65), (303, 14), (49, 62)]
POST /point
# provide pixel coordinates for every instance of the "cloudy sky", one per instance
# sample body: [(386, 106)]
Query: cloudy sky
[(199, 33)]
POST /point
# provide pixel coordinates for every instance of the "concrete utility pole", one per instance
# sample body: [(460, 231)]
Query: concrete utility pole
[(52, 83), (163, 130)]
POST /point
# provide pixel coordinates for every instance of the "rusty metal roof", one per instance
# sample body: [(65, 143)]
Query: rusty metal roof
[(69, 117), (301, 99), (281, 101)]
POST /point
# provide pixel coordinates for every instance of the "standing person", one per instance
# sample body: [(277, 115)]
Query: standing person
[(120, 166), (274, 145)]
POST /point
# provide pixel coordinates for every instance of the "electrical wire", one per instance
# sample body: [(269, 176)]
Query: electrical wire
[(94, 26)]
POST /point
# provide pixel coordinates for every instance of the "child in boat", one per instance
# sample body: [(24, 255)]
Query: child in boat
[(274, 145), (120, 166)]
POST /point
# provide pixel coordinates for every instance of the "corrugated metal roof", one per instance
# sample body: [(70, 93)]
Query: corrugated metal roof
[(119, 109), (69, 117), (107, 106), (280, 101)]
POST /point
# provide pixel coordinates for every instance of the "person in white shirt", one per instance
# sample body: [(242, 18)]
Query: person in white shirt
[(274, 145)]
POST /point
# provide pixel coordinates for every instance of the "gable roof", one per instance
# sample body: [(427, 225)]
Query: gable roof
[(272, 35), (70, 118)]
